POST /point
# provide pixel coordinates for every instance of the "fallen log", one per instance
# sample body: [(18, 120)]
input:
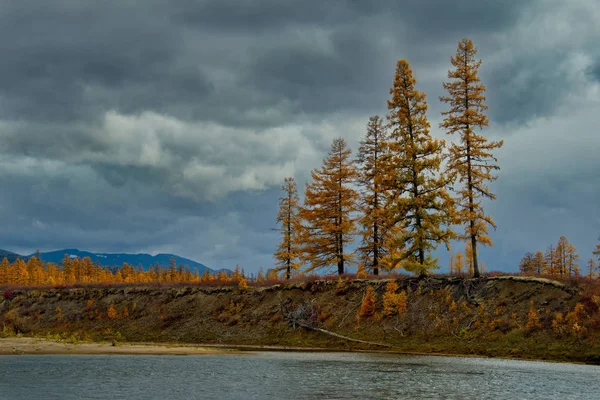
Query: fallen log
[(325, 331)]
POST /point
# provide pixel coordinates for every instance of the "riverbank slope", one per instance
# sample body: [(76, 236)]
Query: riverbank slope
[(501, 316)]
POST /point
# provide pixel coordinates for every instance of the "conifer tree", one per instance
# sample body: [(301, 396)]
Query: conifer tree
[(592, 268), (566, 257), (471, 159), (550, 255), (526, 266), (328, 210), (596, 252), (371, 161), (458, 263), (539, 263), (288, 251), (4, 273), (420, 203)]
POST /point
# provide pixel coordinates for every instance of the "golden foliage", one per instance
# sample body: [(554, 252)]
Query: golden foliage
[(361, 273), (329, 203), (288, 252), (368, 307), (394, 303), (470, 160), (452, 307), (372, 156), (420, 203), (112, 312), (533, 321), (243, 285)]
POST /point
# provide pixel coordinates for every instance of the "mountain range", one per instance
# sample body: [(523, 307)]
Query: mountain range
[(111, 259)]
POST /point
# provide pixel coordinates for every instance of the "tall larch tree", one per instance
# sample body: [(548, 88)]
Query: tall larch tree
[(596, 252), (329, 206), (420, 203), (288, 252), (471, 159), (539, 262), (371, 161)]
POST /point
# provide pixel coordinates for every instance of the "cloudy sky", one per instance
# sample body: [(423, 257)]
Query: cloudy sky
[(168, 126)]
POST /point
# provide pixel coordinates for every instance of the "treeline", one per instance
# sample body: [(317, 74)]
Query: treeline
[(560, 260), (405, 190), (36, 272)]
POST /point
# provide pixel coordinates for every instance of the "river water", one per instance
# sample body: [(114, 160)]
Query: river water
[(290, 375)]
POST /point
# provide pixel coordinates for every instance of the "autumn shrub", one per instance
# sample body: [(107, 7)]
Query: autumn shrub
[(89, 305), (576, 319), (243, 285), (533, 321), (368, 306), (8, 294), (340, 287), (394, 303), (112, 312), (361, 273)]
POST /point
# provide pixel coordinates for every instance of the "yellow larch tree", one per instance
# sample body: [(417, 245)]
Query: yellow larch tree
[(596, 252), (551, 262), (592, 268), (566, 258), (539, 263), (288, 252), (371, 161), (458, 263), (420, 203), (4, 271), (471, 160), (526, 266), (328, 212)]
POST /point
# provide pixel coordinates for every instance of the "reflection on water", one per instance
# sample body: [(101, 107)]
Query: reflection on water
[(278, 375)]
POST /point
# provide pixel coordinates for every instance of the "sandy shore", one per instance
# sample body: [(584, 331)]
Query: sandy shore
[(12, 346)]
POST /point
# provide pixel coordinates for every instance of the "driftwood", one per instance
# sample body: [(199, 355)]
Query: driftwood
[(325, 331), (305, 316)]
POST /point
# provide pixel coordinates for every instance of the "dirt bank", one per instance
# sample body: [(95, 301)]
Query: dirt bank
[(488, 317)]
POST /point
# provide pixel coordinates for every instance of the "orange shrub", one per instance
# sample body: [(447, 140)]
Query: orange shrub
[(368, 306)]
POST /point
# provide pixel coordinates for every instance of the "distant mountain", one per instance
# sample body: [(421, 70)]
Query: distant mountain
[(10, 256), (117, 259)]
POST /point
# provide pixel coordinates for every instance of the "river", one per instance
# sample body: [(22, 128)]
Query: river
[(290, 375)]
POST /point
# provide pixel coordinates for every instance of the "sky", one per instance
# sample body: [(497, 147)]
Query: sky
[(169, 126)]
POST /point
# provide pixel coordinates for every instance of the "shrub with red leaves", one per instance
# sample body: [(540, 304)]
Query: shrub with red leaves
[(8, 294)]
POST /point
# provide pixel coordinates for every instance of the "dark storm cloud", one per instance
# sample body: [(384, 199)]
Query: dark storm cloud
[(168, 126)]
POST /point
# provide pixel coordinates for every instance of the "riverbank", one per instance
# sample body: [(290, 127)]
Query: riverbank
[(508, 317), (38, 346)]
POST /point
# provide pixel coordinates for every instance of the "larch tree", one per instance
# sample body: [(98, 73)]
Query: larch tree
[(328, 213), (420, 203), (288, 252), (539, 262), (471, 159), (550, 255), (596, 252), (458, 263), (4, 271), (592, 267), (526, 266), (371, 161), (566, 257)]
